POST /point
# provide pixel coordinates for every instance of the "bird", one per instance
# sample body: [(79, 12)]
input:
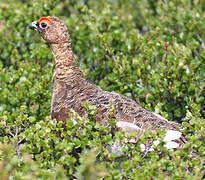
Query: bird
[(71, 89)]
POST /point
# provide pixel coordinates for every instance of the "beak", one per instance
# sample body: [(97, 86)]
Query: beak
[(34, 26)]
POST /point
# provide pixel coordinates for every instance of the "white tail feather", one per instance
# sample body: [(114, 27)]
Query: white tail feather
[(169, 138), (171, 145), (172, 135)]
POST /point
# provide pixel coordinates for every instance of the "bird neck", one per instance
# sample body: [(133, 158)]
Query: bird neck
[(63, 54), (65, 64)]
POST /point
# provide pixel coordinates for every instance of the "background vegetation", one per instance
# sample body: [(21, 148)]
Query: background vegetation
[(152, 51)]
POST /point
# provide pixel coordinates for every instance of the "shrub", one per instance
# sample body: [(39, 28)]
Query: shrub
[(150, 51)]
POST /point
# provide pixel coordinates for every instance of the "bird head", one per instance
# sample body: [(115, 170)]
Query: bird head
[(51, 29)]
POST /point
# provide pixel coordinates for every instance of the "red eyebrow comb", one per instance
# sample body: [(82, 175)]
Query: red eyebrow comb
[(45, 19)]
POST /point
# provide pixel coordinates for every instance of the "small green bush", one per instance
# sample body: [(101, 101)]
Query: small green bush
[(152, 51)]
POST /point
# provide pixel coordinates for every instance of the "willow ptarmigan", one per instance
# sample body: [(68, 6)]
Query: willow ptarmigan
[(71, 89)]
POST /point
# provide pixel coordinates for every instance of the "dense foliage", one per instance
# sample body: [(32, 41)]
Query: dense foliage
[(152, 51)]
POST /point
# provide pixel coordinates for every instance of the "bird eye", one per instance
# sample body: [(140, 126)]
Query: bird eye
[(43, 25)]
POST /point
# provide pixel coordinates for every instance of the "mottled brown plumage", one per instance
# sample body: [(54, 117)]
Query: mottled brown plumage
[(71, 88)]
